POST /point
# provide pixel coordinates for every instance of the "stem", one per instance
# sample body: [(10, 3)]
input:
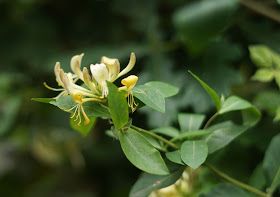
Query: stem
[(210, 120), (236, 182), (260, 8), (274, 183), (155, 136)]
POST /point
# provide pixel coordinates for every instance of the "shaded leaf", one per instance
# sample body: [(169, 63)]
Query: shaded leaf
[(210, 91), (263, 75), (165, 89), (226, 190), (175, 157), (222, 134), (43, 100), (168, 131), (149, 182), (234, 103), (141, 153), (261, 55), (118, 106), (83, 129), (150, 96), (194, 153), (190, 122), (271, 162), (199, 23)]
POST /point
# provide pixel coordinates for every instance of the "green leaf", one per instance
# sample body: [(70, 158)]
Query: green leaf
[(168, 131), (264, 75), (222, 134), (91, 108), (64, 103), (271, 163), (277, 77), (234, 103), (149, 182), (175, 157), (257, 179), (141, 153), (199, 23), (190, 122), (190, 134), (43, 100), (251, 116), (277, 116), (268, 100), (95, 109), (118, 106), (165, 89), (153, 141), (210, 91), (194, 153), (83, 129), (261, 55), (226, 190), (150, 96)]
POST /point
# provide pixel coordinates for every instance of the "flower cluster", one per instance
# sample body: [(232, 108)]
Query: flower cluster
[(95, 80)]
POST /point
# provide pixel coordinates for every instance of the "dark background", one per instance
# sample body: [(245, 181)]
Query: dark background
[(40, 155)]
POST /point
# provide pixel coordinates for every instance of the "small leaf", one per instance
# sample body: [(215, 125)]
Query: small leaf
[(190, 122), (222, 134), (91, 108), (261, 55), (83, 129), (194, 153), (226, 190), (234, 103), (150, 96), (271, 163), (96, 109), (43, 100), (141, 153), (189, 134), (118, 106), (153, 141), (149, 182), (168, 131), (175, 157), (263, 75), (64, 103), (165, 89), (210, 91)]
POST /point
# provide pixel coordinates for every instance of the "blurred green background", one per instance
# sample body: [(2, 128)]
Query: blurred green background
[(40, 155)]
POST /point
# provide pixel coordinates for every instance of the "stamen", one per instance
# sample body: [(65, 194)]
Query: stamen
[(50, 88), (74, 112)]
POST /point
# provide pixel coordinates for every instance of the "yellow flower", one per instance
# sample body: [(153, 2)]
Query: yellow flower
[(129, 83)]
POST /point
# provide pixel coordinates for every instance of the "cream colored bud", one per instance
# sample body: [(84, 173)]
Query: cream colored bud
[(88, 80), (76, 65)]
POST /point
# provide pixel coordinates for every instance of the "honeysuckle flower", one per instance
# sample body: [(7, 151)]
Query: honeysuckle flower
[(78, 97), (109, 70), (129, 83)]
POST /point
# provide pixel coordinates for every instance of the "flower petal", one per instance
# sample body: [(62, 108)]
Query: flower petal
[(129, 66), (76, 65), (113, 66)]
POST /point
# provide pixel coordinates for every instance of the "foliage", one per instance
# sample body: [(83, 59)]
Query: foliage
[(231, 47)]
